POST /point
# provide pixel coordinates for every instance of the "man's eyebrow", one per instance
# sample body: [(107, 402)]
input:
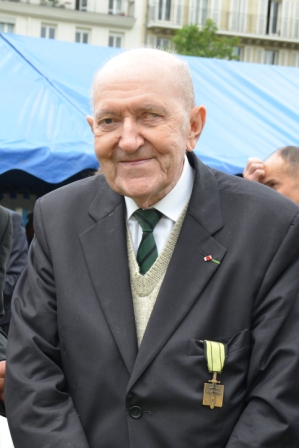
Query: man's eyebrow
[(102, 112), (270, 181), (152, 107)]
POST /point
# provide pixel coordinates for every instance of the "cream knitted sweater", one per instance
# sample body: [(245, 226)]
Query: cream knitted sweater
[(145, 288)]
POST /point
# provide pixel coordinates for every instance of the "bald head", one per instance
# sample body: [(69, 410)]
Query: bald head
[(146, 63)]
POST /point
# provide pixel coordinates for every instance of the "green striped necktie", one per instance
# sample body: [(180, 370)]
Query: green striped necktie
[(147, 250)]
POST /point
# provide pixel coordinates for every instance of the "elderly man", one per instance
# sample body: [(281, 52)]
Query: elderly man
[(280, 171), (159, 307)]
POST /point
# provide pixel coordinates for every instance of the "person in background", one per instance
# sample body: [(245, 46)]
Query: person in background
[(5, 248), (159, 307), (279, 171), (29, 228), (16, 263)]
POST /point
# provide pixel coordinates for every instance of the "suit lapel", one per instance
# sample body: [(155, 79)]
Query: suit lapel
[(188, 272), (105, 251)]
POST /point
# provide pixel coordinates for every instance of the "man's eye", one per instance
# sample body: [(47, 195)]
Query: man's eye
[(272, 185), (107, 121), (150, 116)]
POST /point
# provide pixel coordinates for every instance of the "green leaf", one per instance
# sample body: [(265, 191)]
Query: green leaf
[(192, 41)]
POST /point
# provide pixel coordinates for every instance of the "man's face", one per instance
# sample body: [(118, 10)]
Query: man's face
[(279, 177), (142, 131)]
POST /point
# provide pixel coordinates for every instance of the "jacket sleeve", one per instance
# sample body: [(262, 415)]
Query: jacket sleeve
[(5, 248), (39, 408), (270, 417), (18, 256)]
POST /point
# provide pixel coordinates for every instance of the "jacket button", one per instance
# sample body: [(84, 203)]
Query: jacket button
[(135, 412)]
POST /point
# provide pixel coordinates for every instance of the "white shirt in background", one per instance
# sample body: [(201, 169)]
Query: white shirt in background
[(5, 438)]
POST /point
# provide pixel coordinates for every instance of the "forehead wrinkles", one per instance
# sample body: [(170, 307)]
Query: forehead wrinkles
[(136, 86), (140, 77), (118, 97), (275, 171), (130, 100), (117, 109)]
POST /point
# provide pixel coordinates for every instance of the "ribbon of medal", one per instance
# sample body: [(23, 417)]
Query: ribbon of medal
[(215, 354)]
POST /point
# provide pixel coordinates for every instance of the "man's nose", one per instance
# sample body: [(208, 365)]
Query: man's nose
[(130, 139)]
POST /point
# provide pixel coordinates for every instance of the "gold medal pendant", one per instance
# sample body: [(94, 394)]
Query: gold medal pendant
[(213, 393)]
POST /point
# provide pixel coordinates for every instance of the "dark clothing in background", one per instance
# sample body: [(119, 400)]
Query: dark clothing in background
[(5, 247), (16, 263)]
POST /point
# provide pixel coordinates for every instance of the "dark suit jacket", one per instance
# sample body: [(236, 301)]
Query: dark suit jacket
[(16, 262), (5, 247), (74, 370)]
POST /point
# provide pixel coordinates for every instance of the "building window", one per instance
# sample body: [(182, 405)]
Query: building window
[(238, 16), (203, 13), (82, 36), (115, 40), (270, 57), (237, 52), (6, 27), (164, 9), (295, 33), (162, 43), (272, 17), (198, 12), (115, 7), (81, 5), (48, 31), (294, 59)]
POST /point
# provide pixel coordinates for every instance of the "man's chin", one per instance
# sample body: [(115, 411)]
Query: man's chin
[(138, 191)]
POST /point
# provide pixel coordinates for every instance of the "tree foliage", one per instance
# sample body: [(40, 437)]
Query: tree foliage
[(205, 42)]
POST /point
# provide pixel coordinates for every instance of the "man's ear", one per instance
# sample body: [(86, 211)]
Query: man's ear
[(197, 122), (90, 121)]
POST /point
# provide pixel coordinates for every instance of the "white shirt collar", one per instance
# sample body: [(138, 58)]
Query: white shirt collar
[(175, 201)]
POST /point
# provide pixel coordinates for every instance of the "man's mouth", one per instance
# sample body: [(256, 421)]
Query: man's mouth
[(135, 162)]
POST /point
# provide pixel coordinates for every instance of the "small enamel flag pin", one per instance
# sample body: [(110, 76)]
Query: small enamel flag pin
[(210, 258)]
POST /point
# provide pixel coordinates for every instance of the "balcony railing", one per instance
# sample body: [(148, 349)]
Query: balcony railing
[(111, 7), (230, 21), (166, 13), (170, 14)]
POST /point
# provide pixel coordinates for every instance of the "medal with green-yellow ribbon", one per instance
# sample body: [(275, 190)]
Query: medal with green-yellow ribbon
[(215, 354)]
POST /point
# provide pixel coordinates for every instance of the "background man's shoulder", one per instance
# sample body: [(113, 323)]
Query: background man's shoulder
[(4, 214), (239, 189)]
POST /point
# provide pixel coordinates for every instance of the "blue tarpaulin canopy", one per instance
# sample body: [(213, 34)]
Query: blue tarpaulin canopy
[(252, 109)]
